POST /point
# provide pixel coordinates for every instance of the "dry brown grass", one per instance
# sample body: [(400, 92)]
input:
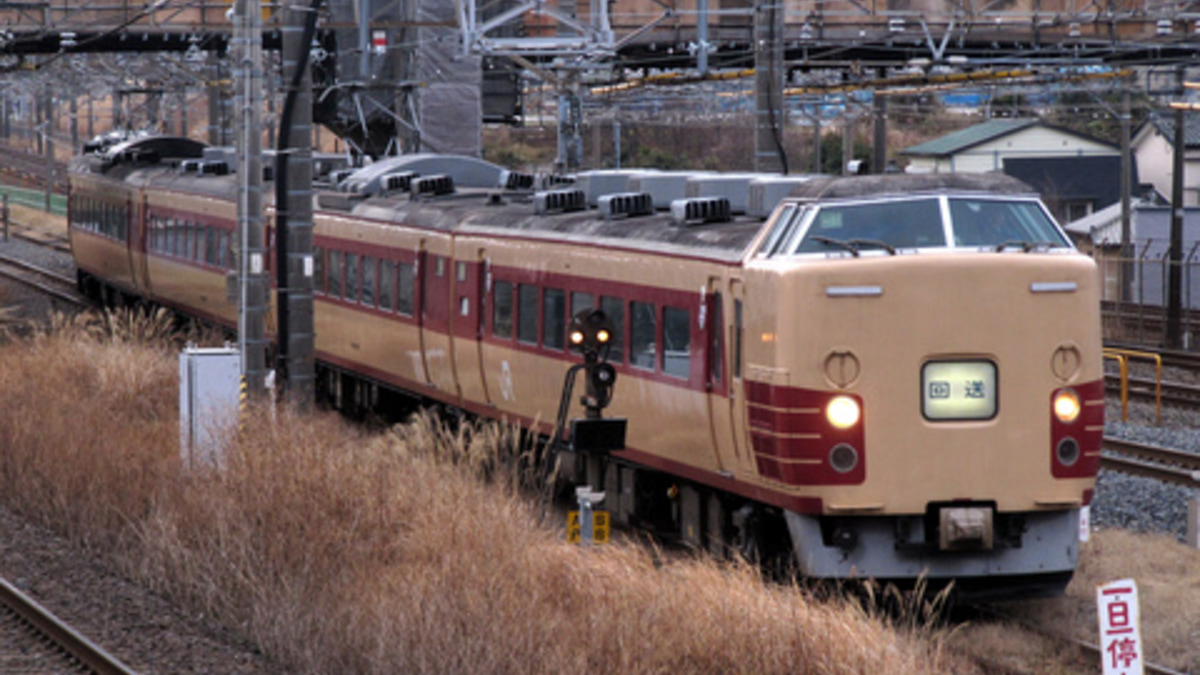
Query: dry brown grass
[(1169, 596), (341, 551)]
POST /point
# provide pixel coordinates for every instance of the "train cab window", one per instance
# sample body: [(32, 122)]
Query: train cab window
[(502, 309), (614, 308), (368, 280), (875, 226), (643, 332), (554, 319), (353, 281), (318, 270), (406, 292), (387, 285), (527, 314), (677, 342), (335, 274)]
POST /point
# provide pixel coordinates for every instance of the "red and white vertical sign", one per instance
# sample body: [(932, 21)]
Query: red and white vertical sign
[(1120, 639), (379, 41)]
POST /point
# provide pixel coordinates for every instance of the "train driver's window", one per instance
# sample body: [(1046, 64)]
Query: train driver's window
[(387, 285), (502, 309), (642, 335), (554, 319), (677, 342), (527, 314), (614, 308)]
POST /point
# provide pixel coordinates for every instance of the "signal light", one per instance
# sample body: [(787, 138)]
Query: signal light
[(590, 330), (1067, 406), (843, 412)]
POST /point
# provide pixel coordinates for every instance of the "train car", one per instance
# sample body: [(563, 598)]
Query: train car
[(893, 377)]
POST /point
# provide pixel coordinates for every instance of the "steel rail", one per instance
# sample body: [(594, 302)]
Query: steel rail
[(1149, 461), (89, 654), (72, 297), (1143, 388)]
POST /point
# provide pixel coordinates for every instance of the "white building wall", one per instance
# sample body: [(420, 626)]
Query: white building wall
[(1154, 161)]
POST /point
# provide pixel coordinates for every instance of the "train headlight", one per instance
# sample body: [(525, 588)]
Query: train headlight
[(843, 412), (1067, 406)]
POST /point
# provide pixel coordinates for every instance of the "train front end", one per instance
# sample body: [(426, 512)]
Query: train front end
[(926, 370)]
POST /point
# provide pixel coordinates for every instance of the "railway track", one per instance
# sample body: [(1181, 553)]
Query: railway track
[(1164, 464), (1143, 388), (49, 282), (32, 640)]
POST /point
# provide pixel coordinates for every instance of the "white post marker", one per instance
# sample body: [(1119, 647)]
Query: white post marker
[(1120, 637), (1085, 523)]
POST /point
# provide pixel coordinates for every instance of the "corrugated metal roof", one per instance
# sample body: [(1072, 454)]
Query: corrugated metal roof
[(1166, 126), (971, 136)]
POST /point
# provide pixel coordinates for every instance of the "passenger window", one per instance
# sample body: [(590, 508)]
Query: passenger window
[(171, 237), (224, 254), (581, 301), (368, 281), (614, 308), (189, 241), (554, 319), (335, 274), (527, 314), (502, 309), (642, 334), (677, 341), (387, 285), (353, 284), (405, 293), (210, 245), (318, 270)]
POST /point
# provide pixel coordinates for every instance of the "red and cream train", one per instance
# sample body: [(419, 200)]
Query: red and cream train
[(888, 377)]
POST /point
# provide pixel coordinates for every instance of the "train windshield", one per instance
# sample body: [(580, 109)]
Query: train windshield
[(888, 226)]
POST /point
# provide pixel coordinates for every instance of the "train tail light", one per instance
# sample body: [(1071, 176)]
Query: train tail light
[(1067, 406), (843, 412)]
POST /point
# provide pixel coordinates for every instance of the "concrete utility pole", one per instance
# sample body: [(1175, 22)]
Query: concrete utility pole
[(1175, 264), (879, 162), (1126, 257), (293, 209), (252, 287), (769, 118)]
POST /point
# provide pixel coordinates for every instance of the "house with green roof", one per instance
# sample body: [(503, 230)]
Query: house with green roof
[(984, 147)]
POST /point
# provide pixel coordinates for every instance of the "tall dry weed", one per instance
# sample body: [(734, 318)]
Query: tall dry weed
[(339, 550)]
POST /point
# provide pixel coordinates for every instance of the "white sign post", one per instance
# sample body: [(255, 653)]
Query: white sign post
[(1120, 638)]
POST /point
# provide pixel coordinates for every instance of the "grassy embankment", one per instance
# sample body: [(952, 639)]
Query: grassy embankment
[(341, 551)]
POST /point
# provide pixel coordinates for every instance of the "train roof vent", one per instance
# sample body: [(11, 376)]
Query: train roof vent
[(401, 181), (432, 186), (190, 166), (209, 168), (625, 204), (516, 180), (549, 181), (559, 201), (686, 212)]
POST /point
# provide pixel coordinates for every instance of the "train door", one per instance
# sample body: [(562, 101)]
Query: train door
[(734, 310), (436, 339), (716, 376), (467, 320), (139, 244)]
